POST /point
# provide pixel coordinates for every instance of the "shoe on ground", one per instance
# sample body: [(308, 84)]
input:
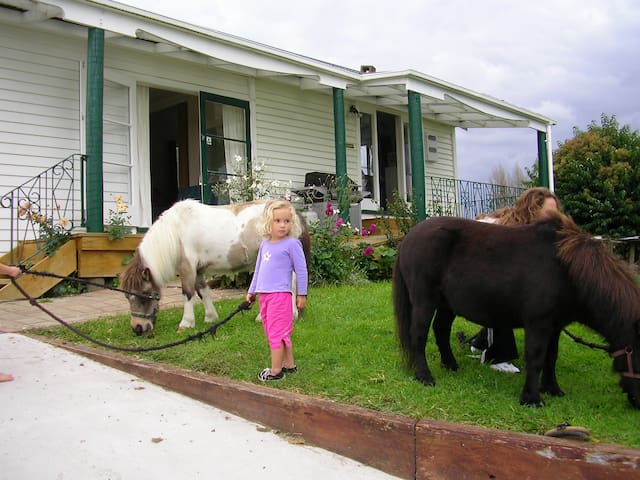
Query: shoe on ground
[(266, 376), (293, 369), (475, 350), (506, 367)]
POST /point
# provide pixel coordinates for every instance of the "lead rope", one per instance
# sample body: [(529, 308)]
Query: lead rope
[(196, 336)]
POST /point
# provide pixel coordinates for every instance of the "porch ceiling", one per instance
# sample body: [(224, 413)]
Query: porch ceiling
[(132, 28)]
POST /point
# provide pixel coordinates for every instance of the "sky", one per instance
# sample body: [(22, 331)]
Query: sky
[(569, 60)]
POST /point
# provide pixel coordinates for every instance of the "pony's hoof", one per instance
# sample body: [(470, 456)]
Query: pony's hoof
[(554, 391), (451, 366), (429, 382), (532, 403)]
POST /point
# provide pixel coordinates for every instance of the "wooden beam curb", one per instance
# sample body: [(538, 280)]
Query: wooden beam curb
[(455, 451), (401, 446)]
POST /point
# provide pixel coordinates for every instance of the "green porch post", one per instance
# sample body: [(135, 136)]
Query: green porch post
[(341, 152), (93, 119), (543, 160), (417, 153)]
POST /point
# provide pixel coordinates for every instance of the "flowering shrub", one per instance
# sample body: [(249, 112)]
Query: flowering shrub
[(337, 256), (118, 220), (51, 235), (243, 186), (331, 250), (377, 262)]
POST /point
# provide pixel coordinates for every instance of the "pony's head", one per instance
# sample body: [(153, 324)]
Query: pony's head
[(143, 295), (626, 361)]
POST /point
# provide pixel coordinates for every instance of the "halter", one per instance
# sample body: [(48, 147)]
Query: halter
[(148, 316), (628, 351)]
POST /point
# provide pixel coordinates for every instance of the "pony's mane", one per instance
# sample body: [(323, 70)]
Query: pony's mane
[(594, 270), (132, 279), (161, 247)]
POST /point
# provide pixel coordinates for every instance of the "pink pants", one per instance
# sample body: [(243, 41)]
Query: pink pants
[(276, 311)]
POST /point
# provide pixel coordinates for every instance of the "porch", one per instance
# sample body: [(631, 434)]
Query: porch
[(47, 219)]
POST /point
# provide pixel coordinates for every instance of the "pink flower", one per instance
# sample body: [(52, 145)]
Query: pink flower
[(329, 210), (334, 231), (365, 232), (372, 228), (339, 222), (368, 251)]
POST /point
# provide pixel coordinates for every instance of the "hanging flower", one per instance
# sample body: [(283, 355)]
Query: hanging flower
[(368, 251)]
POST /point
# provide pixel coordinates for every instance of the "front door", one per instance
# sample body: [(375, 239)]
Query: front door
[(379, 158), (224, 141)]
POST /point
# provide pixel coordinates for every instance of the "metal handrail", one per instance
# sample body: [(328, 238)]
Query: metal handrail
[(464, 198), (46, 208)]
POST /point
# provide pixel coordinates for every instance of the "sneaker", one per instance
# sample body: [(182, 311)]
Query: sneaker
[(265, 375), (506, 367), (293, 369)]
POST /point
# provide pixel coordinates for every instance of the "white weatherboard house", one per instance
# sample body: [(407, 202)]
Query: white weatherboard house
[(159, 109)]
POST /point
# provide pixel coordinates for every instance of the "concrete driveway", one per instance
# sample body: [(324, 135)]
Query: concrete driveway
[(68, 417)]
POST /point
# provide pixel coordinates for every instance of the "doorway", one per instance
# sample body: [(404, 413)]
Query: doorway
[(169, 149), (387, 157)]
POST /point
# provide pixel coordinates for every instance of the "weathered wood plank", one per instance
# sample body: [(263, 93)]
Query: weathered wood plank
[(465, 452)]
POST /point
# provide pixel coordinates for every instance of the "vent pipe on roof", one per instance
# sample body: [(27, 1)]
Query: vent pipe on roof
[(367, 69)]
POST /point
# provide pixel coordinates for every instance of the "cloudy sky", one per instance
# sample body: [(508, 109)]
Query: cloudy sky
[(570, 60)]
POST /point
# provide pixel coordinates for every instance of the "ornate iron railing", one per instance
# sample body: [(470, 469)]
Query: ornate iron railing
[(45, 209), (463, 198)]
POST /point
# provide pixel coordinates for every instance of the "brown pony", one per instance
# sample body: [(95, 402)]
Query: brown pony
[(540, 277)]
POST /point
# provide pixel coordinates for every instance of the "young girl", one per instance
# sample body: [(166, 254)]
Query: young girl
[(498, 345), (279, 256)]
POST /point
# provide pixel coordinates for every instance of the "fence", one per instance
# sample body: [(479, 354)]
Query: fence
[(46, 208)]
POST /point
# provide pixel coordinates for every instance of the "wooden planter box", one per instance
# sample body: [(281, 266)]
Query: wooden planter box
[(100, 257)]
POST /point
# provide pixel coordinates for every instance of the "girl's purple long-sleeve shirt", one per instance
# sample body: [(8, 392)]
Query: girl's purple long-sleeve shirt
[(274, 265)]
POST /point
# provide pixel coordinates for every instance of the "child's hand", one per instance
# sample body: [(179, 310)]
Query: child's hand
[(301, 302), (251, 297)]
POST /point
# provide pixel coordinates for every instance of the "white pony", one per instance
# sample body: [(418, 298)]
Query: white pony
[(190, 239)]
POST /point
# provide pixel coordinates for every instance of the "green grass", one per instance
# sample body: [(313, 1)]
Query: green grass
[(346, 351)]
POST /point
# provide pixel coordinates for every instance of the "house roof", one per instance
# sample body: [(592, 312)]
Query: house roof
[(138, 29)]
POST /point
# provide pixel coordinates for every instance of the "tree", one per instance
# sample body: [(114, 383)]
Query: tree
[(597, 178), (500, 176)]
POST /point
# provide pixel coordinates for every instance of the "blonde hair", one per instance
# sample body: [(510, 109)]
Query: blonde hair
[(264, 227), (527, 207)]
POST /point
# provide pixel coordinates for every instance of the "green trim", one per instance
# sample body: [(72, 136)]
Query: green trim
[(341, 151), (543, 160), (94, 129), (207, 196), (417, 152)]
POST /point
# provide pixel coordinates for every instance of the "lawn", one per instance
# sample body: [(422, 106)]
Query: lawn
[(346, 351)]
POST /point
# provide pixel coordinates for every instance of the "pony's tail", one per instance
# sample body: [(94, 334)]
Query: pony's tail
[(305, 239), (402, 309)]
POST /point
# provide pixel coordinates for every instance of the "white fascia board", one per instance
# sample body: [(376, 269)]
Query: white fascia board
[(505, 111), (436, 88), (129, 21)]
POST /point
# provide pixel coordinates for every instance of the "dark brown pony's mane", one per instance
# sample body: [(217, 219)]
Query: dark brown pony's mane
[(599, 276), (132, 279)]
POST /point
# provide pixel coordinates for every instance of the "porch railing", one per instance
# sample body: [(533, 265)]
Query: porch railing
[(45, 209), (463, 198)]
